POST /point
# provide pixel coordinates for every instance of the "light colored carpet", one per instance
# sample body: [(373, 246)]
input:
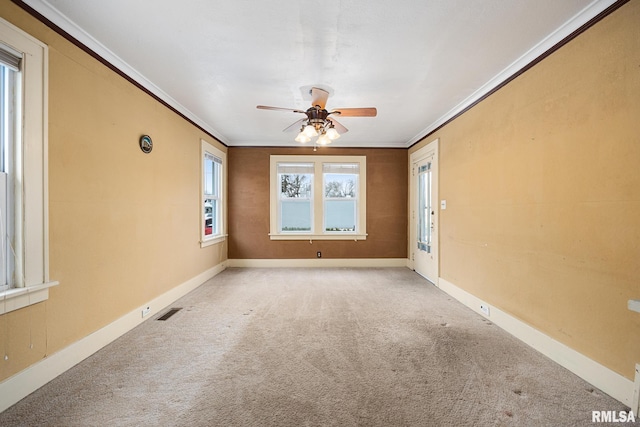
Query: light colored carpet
[(315, 347)]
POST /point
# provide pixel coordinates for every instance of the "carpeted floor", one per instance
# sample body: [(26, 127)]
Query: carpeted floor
[(315, 347)]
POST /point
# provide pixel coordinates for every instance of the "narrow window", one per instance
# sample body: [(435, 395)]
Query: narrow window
[(424, 208), (212, 225), (24, 251), (9, 122), (212, 190)]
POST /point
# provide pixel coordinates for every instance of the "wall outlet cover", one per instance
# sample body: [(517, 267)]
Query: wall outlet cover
[(485, 309)]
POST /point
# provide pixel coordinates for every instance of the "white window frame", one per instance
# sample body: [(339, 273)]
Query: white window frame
[(306, 169), (208, 149), (31, 201), (317, 228)]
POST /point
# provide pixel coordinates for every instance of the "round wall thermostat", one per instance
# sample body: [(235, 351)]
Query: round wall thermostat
[(146, 145)]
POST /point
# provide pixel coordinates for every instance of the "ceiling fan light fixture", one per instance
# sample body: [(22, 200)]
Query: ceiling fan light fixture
[(332, 133), (324, 139), (302, 138), (310, 131), (317, 122)]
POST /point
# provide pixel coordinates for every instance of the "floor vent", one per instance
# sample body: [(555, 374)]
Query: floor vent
[(169, 313)]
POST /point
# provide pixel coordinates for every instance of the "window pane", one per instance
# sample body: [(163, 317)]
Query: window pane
[(296, 188), (340, 215), (340, 185), (295, 215), (424, 208), (8, 106), (208, 175), (340, 196), (295, 185), (212, 174), (210, 223)]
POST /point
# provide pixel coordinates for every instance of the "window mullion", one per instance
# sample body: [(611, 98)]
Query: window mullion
[(318, 199)]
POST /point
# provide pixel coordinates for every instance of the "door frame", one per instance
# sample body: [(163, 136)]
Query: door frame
[(418, 155)]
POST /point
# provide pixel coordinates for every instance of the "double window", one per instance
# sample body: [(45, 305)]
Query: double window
[(212, 223), (318, 197)]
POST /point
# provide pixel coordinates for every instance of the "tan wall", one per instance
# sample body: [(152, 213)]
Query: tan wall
[(249, 207), (123, 225), (542, 182)]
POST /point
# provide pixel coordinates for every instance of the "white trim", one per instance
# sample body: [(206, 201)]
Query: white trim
[(213, 240), (318, 262), (317, 199), (312, 237), (31, 245), (35, 376), (16, 298), (208, 148), (581, 18), (612, 383), (429, 150)]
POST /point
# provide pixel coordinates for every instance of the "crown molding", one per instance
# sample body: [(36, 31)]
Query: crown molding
[(68, 29), (588, 16)]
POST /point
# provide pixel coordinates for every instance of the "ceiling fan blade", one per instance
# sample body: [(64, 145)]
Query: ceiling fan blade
[(295, 125), (319, 97), (341, 129), (264, 107), (356, 112)]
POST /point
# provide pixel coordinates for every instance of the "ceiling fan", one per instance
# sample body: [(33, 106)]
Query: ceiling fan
[(317, 121)]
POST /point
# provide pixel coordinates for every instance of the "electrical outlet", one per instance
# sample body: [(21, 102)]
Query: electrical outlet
[(319, 254), (485, 309), (146, 311)]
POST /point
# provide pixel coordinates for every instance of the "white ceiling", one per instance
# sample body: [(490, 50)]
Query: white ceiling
[(418, 61)]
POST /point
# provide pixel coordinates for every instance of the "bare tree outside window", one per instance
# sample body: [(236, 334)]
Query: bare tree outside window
[(295, 185), (345, 188)]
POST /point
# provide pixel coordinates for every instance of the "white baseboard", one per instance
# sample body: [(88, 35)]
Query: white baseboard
[(18, 386), (318, 262), (612, 383)]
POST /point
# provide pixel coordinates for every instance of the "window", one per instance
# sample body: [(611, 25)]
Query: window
[(318, 197), (425, 221), (212, 224), (295, 197), (9, 121), (24, 252), (340, 196)]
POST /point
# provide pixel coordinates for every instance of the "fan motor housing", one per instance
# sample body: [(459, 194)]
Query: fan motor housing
[(317, 114)]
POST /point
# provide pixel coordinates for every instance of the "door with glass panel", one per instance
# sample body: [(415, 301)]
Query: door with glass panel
[(424, 215)]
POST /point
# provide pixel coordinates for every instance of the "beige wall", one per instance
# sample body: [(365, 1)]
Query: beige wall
[(249, 207), (542, 182), (123, 225)]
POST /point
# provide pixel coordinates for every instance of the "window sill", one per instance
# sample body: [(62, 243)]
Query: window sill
[(16, 298), (213, 240), (312, 237)]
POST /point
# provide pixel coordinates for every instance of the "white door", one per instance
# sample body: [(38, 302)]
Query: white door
[(425, 211)]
